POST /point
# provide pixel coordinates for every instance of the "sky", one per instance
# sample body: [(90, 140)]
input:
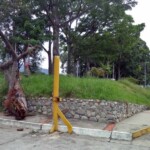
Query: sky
[(140, 14)]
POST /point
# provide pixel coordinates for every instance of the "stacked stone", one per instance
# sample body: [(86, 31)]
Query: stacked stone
[(94, 110)]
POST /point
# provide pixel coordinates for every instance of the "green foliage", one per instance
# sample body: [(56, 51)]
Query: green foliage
[(117, 44)]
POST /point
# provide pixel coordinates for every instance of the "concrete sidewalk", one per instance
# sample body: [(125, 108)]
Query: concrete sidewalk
[(122, 130)]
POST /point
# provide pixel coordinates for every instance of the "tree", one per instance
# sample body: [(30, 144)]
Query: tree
[(60, 15), (93, 37), (138, 61), (126, 36), (15, 102)]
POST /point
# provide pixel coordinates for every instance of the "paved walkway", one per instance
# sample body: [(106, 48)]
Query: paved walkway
[(11, 139), (123, 130), (136, 122)]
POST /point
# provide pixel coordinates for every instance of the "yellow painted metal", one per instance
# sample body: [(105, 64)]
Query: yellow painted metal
[(56, 111), (55, 117), (141, 132), (66, 122), (55, 92)]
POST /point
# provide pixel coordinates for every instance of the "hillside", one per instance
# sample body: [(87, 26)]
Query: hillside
[(85, 88)]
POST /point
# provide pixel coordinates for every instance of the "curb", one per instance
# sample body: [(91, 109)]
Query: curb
[(116, 135), (141, 132), (80, 131), (15, 123)]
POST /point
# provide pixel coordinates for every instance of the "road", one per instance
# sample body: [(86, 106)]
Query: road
[(11, 139)]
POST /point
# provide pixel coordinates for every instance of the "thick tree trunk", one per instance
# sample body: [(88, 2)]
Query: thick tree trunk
[(56, 23), (15, 104), (71, 66), (56, 41), (11, 74)]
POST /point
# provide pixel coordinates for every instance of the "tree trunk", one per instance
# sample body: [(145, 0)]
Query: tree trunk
[(56, 30), (15, 104), (27, 66), (113, 72), (69, 58), (119, 71), (56, 41), (50, 63), (11, 74)]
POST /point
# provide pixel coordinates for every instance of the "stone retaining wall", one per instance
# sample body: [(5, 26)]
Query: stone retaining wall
[(94, 110)]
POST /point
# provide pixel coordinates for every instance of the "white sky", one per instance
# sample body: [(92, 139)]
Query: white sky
[(140, 14)]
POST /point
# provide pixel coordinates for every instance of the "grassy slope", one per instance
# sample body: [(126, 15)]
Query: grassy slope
[(87, 88)]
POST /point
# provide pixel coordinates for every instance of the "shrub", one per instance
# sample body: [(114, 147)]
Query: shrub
[(96, 72)]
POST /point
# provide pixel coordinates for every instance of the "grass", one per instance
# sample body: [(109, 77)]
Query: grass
[(91, 88), (85, 88), (3, 90), (37, 85)]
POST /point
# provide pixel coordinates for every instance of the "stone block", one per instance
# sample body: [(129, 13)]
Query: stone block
[(84, 118), (98, 117), (45, 113), (93, 119), (76, 116), (68, 115), (81, 111)]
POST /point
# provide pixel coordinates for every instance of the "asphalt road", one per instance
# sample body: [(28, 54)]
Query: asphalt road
[(11, 139)]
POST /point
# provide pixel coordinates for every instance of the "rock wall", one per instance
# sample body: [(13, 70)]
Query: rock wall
[(94, 110)]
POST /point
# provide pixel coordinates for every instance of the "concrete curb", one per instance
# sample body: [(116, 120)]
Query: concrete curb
[(116, 135), (141, 132), (80, 131), (24, 124)]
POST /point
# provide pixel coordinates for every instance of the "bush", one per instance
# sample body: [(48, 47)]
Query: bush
[(96, 72)]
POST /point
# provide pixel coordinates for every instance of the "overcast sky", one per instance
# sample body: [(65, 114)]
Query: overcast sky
[(140, 14)]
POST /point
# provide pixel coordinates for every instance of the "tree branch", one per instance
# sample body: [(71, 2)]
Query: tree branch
[(44, 48), (8, 45), (7, 64), (81, 11), (27, 51)]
